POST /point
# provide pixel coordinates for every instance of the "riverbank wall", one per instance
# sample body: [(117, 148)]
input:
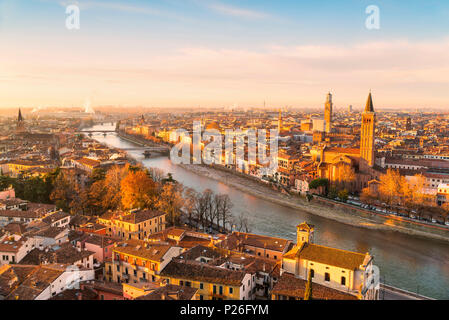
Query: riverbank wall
[(326, 208)]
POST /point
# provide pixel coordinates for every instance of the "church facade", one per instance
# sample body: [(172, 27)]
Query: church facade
[(352, 168)]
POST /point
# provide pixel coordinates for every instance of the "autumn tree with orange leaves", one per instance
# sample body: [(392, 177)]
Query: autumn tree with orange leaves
[(105, 194), (138, 190)]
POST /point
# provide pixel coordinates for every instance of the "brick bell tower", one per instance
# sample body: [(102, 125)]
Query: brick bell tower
[(328, 113), (367, 132)]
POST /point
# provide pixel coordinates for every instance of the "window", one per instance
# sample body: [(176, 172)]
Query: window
[(343, 281), (312, 272), (201, 297), (215, 289), (327, 277), (201, 286), (231, 290), (221, 290)]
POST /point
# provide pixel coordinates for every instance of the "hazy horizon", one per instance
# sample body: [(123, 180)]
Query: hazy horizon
[(178, 54)]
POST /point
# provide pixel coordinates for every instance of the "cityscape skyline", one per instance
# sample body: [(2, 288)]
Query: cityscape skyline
[(215, 54)]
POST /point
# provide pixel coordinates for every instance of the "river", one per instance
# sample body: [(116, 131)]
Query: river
[(410, 263)]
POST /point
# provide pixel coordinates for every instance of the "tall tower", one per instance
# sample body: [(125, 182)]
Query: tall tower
[(304, 233), (20, 122), (280, 121), (367, 132), (408, 125), (328, 113)]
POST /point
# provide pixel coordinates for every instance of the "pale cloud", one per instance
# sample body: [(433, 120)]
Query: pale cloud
[(401, 73), (234, 11)]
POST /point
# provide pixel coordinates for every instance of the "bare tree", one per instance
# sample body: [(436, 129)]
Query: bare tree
[(208, 198), (201, 207), (190, 200), (242, 224), (156, 174), (223, 207)]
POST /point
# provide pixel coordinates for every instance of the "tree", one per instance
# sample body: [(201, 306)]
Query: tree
[(171, 201), (320, 182), (66, 191), (333, 192), (208, 201), (191, 199), (390, 186), (98, 174), (106, 194), (343, 195), (200, 207), (138, 190), (156, 174), (366, 196), (169, 179), (242, 224), (308, 291), (223, 206)]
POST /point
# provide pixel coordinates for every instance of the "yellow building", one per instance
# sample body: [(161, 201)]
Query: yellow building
[(136, 261), (18, 167), (132, 291), (213, 283), (135, 224), (338, 269)]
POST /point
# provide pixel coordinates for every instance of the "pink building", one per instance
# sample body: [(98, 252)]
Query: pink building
[(7, 194), (99, 244)]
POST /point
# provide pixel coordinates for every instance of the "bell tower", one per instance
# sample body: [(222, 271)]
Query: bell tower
[(367, 132), (280, 124), (328, 113), (20, 122), (304, 233)]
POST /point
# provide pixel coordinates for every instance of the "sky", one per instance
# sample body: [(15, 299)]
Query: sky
[(219, 53)]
